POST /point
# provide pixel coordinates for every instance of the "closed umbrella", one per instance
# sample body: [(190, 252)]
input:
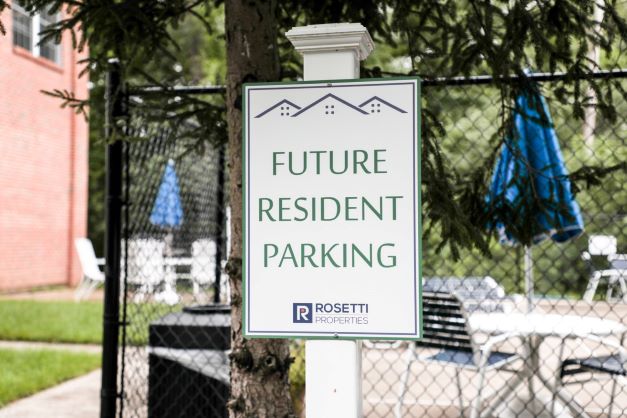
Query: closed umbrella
[(530, 195), (167, 213)]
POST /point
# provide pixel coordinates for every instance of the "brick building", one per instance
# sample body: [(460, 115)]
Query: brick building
[(43, 156)]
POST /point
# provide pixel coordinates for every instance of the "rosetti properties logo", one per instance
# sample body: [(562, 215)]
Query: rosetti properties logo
[(330, 313)]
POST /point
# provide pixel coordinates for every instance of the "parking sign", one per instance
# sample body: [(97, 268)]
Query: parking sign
[(332, 209)]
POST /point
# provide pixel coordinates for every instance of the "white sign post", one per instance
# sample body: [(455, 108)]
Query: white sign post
[(332, 212)]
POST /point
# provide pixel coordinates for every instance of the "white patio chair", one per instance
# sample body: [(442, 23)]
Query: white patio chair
[(225, 286), (203, 268), (602, 244), (445, 328), (92, 275), (146, 267), (615, 275)]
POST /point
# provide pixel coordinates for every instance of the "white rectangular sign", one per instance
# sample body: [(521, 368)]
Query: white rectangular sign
[(332, 209)]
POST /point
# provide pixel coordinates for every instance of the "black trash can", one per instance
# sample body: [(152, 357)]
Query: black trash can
[(188, 363)]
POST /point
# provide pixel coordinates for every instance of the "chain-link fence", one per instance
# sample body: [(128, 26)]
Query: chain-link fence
[(176, 328), (487, 351)]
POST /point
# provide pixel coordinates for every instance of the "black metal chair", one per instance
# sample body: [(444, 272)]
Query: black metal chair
[(445, 327), (613, 365)]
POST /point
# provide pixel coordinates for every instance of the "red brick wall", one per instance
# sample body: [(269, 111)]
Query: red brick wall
[(43, 168)]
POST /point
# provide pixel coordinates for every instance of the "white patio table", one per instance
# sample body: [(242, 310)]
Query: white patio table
[(535, 327), (177, 261)]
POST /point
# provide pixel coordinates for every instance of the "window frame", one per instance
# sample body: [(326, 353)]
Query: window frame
[(56, 47), (18, 9), (35, 39)]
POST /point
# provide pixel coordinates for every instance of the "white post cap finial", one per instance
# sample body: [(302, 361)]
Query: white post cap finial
[(332, 37), (331, 51)]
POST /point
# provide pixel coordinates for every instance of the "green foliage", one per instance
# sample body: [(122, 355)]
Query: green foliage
[(51, 321), (504, 39), (25, 372), (68, 99), (96, 186), (468, 115), (159, 43), (297, 376), (195, 57)]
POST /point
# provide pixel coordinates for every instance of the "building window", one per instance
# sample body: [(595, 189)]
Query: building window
[(48, 49), (22, 27), (26, 29)]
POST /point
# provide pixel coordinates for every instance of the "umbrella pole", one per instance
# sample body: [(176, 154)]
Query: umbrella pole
[(529, 278), (169, 240), (169, 295)]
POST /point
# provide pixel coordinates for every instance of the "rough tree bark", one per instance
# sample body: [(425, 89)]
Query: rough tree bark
[(259, 368)]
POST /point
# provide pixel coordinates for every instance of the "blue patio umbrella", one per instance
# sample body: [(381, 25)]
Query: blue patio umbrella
[(167, 211), (530, 194)]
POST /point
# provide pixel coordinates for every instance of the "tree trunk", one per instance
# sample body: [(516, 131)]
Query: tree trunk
[(259, 368)]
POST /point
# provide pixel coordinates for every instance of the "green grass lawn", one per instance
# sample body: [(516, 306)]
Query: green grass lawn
[(51, 321), (72, 322), (140, 315), (24, 372)]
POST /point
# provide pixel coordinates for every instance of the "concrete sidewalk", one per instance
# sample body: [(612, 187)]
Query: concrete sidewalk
[(33, 345), (76, 398), (54, 294)]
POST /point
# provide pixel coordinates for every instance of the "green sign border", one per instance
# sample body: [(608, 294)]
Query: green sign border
[(419, 203)]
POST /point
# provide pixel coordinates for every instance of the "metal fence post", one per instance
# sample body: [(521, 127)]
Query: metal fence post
[(114, 105), (220, 218)]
